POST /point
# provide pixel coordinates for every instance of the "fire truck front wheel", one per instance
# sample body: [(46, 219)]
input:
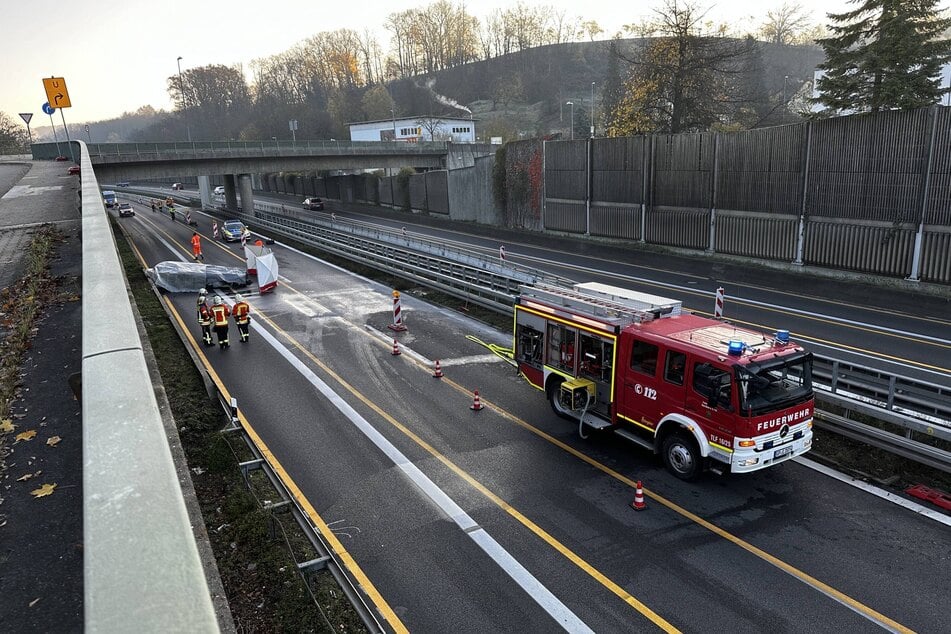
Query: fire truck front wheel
[(682, 456)]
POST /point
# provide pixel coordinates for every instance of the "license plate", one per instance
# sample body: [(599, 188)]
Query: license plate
[(785, 451)]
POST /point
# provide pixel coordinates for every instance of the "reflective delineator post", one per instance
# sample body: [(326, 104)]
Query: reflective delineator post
[(234, 411), (397, 324), (214, 228), (718, 307), (501, 252)]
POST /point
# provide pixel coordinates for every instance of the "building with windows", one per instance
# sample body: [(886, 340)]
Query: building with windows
[(415, 129)]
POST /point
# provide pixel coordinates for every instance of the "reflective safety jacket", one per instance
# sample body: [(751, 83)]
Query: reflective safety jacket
[(242, 313), (196, 243), (220, 313), (204, 315)]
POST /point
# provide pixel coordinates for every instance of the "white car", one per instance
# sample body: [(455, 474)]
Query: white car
[(219, 190)]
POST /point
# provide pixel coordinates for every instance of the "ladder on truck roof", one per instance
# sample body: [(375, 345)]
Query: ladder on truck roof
[(614, 305)]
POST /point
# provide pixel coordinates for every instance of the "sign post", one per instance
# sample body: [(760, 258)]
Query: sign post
[(26, 116), (292, 124), (58, 97), (48, 109)]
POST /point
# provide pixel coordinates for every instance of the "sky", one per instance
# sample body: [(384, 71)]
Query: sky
[(116, 55)]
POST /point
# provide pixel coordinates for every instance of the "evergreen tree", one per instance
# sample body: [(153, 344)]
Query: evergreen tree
[(884, 54)]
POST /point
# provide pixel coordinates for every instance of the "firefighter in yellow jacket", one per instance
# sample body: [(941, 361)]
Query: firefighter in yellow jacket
[(220, 314), (205, 317), (242, 317)]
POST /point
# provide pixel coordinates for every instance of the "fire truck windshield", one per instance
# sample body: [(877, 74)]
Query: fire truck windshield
[(774, 383)]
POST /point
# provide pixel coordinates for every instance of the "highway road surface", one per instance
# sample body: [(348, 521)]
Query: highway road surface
[(504, 520)]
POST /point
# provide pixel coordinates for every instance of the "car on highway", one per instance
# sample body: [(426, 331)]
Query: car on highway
[(232, 230), (109, 198), (73, 170), (313, 204), (219, 190), (62, 158), (125, 209), (177, 186), (122, 184)]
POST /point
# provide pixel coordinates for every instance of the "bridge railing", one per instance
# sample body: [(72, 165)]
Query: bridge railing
[(141, 562), (227, 149)]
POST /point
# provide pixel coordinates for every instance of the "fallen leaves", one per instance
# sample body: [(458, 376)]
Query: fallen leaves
[(25, 435), (43, 491), (6, 426), (52, 441)]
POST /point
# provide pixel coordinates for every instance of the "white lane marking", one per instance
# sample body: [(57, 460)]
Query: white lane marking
[(19, 191), (877, 492), (388, 339), (476, 358), (532, 586), (308, 307)]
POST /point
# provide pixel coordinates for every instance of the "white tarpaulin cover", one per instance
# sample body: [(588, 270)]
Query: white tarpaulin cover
[(267, 272), (190, 277), (251, 253)]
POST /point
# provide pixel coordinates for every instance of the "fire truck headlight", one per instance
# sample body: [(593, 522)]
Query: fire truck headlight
[(748, 462)]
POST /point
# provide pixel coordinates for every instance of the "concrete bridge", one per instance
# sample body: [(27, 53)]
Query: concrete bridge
[(238, 160)]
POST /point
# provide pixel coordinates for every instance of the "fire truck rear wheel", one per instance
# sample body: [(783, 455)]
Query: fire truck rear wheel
[(682, 456)]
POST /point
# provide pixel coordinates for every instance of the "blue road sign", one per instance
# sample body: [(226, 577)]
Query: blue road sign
[(48, 109)]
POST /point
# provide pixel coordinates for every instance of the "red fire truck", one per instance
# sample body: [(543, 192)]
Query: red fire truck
[(701, 392)]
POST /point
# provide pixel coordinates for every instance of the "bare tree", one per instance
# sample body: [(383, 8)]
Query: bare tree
[(786, 24), (682, 80)]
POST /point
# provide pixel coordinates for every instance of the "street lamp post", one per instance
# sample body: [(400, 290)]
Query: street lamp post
[(571, 118), (393, 114), (181, 86), (88, 137), (592, 110), (785, 80)]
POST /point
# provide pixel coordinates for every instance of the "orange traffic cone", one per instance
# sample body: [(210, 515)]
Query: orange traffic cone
[(396, 347), (437, 372), (638, 504), (476, 403)]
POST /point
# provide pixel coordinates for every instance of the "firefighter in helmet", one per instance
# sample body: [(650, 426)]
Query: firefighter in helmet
[(220, 314), (204, 317), (242, 317)]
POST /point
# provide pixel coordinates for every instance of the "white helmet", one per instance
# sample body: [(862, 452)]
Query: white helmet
[(203, 292), (217, 300), (238, 297)]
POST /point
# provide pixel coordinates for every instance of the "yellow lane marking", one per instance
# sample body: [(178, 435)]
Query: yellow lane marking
[(335, 544), (564, 550)]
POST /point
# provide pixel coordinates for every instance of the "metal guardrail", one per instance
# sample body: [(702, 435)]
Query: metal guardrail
[(915, 406), (141, 563)]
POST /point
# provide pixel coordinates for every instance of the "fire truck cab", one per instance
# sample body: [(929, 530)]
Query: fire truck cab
[(700, 392)]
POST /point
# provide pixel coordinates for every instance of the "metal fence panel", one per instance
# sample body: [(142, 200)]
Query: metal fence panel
[(683, 164), (564, 215), (565, 165), (687, 228), (936, 255), (417, 192), (617, 169), (756, 235), (616, 220), (870, 247)]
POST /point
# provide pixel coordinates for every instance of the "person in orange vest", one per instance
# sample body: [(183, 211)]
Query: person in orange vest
[(242, 317), (196, 246), (220, 313), (205, 318)]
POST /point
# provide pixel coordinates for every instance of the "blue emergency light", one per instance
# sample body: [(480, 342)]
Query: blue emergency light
[(736, 348), (782, 336)]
